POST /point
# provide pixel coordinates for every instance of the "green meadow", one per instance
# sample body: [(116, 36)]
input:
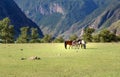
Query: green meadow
[(98, 60)]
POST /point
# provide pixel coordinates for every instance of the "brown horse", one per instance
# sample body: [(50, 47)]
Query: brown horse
[(67, 43), (70, 43)]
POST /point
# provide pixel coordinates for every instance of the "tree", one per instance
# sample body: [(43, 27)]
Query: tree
[(1, 27), (118, 37), (88, 34), (34, 35), (107, 36), (113, 37), (73, 37), (46, 39), (23, 37), (96, 38), (59, 40), (104, 36), (6, 31)]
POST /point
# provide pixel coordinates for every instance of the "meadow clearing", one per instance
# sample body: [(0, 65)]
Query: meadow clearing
[(98, 60)]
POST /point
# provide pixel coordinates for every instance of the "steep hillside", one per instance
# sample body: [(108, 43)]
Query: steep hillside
[(66, 17), (109, 16), (8, 8), (115, 27)]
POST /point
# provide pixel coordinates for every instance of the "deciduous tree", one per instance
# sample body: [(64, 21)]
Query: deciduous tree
[(23, 37), (6, 31), (88, 34), (34, 35)]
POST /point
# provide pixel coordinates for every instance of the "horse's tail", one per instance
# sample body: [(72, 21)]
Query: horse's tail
[(65, 44)]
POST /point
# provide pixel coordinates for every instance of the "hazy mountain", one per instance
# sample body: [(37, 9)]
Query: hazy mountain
[(66, 17), (8, 8)]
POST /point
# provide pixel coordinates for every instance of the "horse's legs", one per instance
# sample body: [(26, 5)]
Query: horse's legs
[(65, 44), (72, 46), (78, 46), (84, 46), (81, 45), (69, 46)]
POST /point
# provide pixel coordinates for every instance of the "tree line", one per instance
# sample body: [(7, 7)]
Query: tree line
[(102, 36), (30, 35)]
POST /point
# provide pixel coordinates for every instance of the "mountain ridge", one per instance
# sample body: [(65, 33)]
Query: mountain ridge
[(63, 18)]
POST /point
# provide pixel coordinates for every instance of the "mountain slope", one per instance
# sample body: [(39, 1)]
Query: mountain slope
[(8, 8), (115, 27), (66, 17), (109, 16)]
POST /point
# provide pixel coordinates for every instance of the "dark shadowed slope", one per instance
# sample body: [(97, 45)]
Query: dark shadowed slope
[(8, 8)]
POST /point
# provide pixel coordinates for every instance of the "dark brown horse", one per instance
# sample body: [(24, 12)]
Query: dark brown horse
[(70, 43), (67, 43)]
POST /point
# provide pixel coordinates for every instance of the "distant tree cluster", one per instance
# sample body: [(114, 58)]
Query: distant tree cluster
[(25, 37), (103, 36)]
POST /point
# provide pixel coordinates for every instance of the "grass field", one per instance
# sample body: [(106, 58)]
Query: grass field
[(98, 60)]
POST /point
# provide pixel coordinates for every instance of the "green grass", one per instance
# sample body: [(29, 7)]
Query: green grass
[(98, 60)]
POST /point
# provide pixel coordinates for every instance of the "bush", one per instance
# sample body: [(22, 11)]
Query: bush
[(96, 38), (59, 40), (46, 39), (105, 36), (73, 37)]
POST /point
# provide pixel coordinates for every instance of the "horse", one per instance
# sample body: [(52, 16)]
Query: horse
[(70, 43), (79, 42), (82, 43), (67, 43)]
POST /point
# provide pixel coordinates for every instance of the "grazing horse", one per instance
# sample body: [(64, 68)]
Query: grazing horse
[(82, 43), (67, 43), (70, 43)]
